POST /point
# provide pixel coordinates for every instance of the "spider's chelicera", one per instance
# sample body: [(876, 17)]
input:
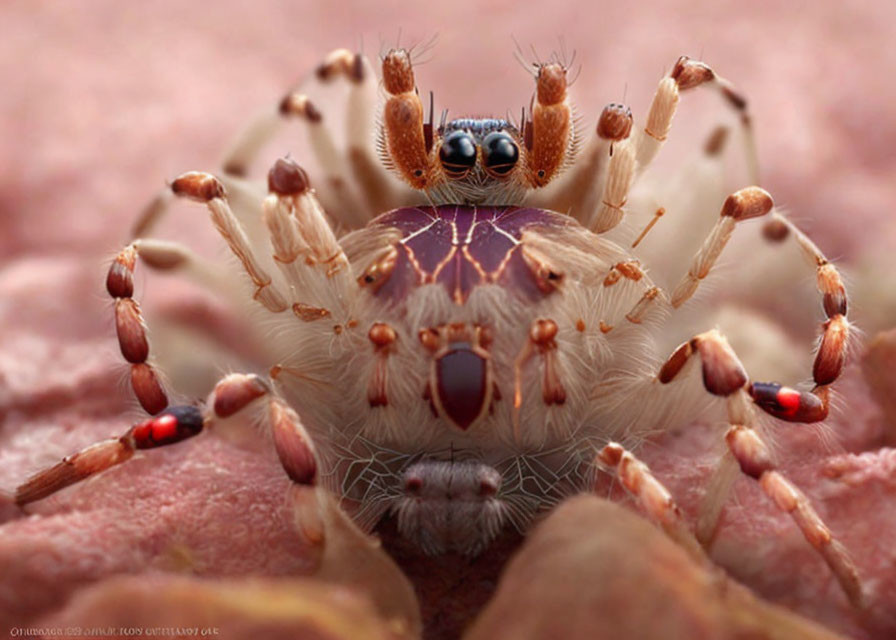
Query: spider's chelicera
[(473, 348)]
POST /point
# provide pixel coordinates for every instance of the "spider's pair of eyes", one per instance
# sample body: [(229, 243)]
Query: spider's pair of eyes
[(458, 154)]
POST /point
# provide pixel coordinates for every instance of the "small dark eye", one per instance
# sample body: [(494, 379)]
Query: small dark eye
[(499, 153), (458, 154)]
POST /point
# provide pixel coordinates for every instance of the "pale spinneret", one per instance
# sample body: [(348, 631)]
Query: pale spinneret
[(464, 366)]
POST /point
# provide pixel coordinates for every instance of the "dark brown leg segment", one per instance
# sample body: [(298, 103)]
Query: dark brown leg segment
[(132, 332)]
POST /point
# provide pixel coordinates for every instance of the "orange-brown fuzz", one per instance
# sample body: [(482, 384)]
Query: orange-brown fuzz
[(550, 125), (550, 140), (398, 73), (403, 120), (403, 126)]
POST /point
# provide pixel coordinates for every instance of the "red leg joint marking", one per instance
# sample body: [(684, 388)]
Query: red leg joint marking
[(790, 404)]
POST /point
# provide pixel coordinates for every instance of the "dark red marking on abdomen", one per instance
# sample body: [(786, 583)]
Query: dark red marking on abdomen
[(462, 384)]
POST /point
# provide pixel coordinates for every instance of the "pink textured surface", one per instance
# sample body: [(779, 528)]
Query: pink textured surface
[(102, 102)]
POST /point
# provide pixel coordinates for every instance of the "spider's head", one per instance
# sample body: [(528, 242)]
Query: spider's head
[(476, 161), (480, 161)]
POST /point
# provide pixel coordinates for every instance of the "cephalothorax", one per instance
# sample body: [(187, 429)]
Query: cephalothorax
[(473, 349)]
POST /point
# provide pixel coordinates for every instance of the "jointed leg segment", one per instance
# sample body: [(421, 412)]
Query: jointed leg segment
[(724, 375), (132, 332), (205, 188), (168, 427), (233, 394), (654, 498), (632, 154)]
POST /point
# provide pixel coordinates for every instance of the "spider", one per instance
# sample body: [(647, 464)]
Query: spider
[(478, 352)]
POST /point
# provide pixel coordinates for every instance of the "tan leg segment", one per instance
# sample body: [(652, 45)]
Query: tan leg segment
[(305, 246), (377, 188), (747, 203), (755, 461), (780, 401), (205, 188), (654, 498), (688, 74)]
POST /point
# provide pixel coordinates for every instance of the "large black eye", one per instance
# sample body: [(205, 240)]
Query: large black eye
[(499, 153), (458, 154)]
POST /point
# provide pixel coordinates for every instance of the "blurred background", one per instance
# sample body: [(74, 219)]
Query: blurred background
[(102, 102)]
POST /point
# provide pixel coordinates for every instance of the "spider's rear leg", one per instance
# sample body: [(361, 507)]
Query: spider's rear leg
[(724, 375), (780, 401), (207, 189), (231, 395), (579, 190), (378, 192), (634, 154), (132, 339)]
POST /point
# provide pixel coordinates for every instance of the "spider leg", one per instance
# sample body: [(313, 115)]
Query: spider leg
[(131, 331), (635, 153), (724, 375), (231, 395), (780, 401), (378, 188), (305, 247), (652, 495), (687, 74), (169, 426), (751, 202), (579, 190), (207, 189), (378, 191)]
